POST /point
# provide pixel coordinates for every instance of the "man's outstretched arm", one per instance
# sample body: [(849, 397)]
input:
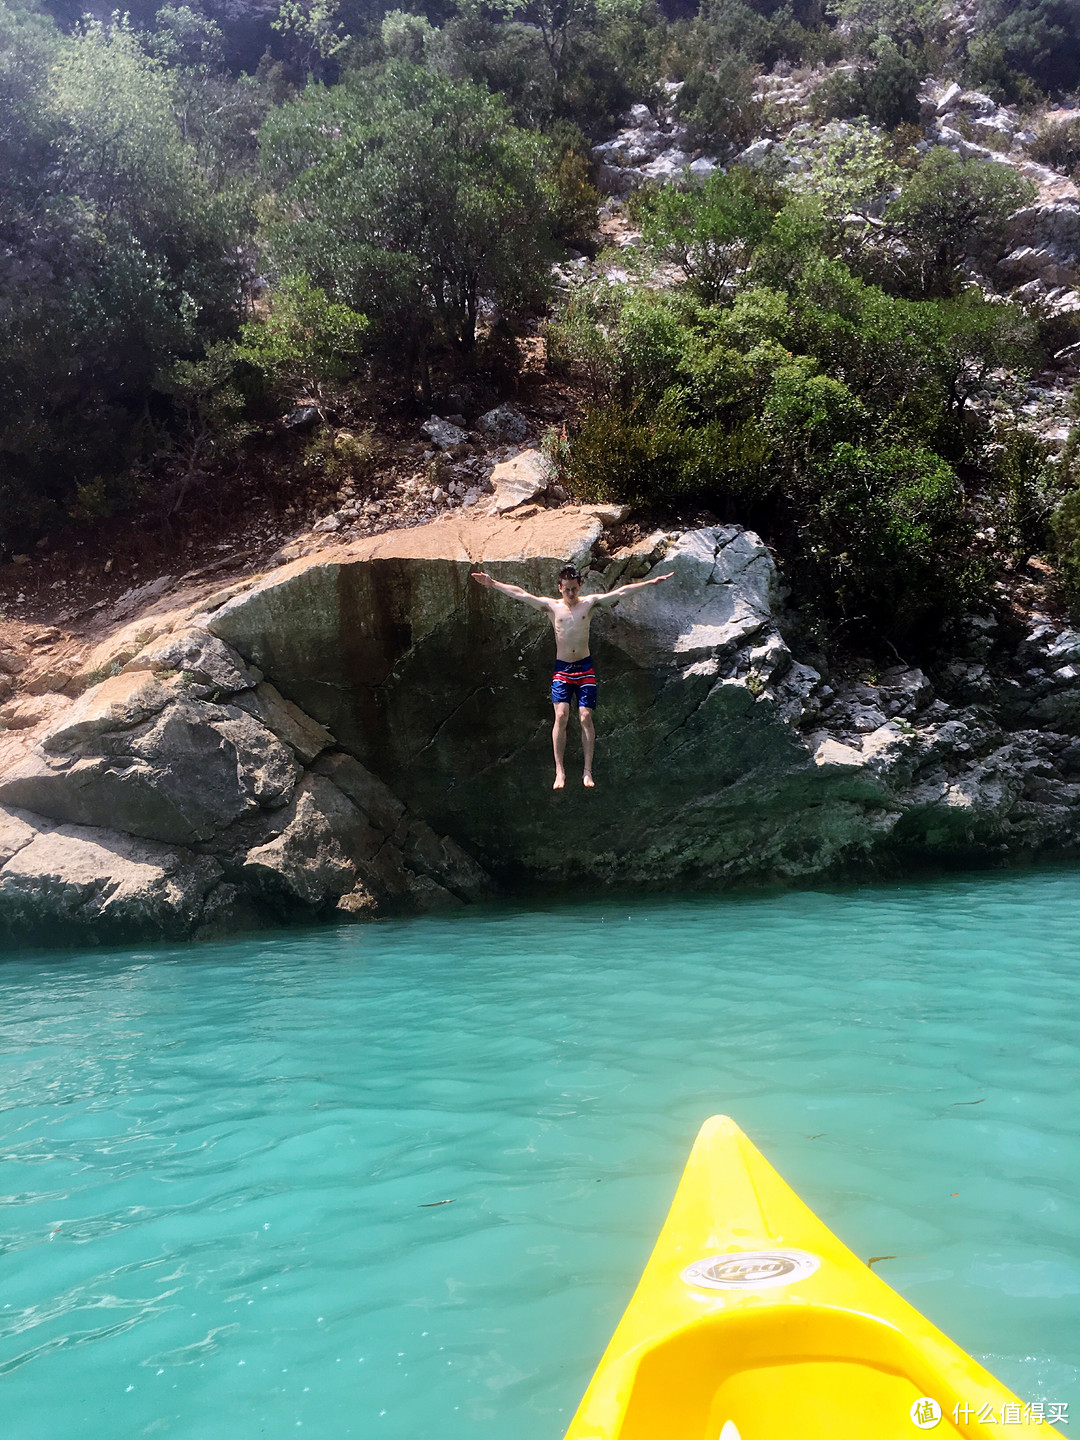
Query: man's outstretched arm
[(538, 602), (614, 595)]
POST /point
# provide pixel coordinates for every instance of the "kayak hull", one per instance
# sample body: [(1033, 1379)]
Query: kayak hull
[(752, 1321)]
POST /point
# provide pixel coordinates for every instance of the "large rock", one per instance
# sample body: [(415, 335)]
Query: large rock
[(505, 425), (385, 743), (165, 791), (720, 756), (188, 772), (441, 689), (88, 885), (519, 480), (1043, 244)]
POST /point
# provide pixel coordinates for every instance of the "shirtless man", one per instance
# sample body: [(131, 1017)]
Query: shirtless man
[(570, 616)]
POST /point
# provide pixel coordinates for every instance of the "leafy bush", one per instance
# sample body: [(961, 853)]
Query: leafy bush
[(886, 542), (413, 199), (553, 60), (846, 168), (950, 209), (887, 93), (717, 105), (1023, 491), (573, 200), (1034, 39), (649, 455), (342, 456), (823, 411), (116, 260), (1058, 145), (306, 340), (712, 231)]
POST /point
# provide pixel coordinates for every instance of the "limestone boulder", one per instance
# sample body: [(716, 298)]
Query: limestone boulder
[(179, 777), (118, 703), (86, 885), (329, 850), (519, 480), (721, 595), (208, 667), (16, 831), (443, 434), (316, 856)]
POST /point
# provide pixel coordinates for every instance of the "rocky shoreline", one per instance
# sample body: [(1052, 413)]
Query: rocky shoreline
[(363, 732)]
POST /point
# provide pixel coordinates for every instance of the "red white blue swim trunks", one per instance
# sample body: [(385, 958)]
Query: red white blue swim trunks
[(574, 677)]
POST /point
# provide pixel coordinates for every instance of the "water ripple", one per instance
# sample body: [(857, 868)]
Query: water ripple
[(224, 1165)]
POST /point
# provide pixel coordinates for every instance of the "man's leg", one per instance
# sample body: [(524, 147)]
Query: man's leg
[(588, 741), (558, 742)]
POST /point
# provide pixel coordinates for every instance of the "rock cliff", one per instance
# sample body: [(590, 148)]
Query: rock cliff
[(365, 731)]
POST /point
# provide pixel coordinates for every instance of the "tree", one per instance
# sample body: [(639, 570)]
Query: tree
[(411, 199), (886, 542), (1038, 39), (718, 106), (711, 232), (887, 93), (115, 260), (951, 209), (306, 340), (209, 407)]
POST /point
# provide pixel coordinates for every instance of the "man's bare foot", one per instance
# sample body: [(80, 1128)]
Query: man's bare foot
[(588, 782), (560, 781)]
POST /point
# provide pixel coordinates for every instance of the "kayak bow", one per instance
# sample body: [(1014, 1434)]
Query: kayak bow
[(753, 1322)]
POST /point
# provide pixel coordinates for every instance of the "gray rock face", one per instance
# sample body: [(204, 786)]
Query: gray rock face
[(400, 753), (720, 755), (88, 885), (519, 480), (151, 809), (1044, 243)]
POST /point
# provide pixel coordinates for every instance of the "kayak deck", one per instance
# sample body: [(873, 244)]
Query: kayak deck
[(752, 1321)]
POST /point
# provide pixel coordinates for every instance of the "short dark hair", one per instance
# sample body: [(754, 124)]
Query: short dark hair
[(569, 572)]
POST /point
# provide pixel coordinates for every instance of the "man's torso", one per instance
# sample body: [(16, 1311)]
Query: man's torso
[(571, 629)]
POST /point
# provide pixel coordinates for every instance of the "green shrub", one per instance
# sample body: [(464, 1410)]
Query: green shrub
[(717, 105), (951, 208), (1033, 40), (1023, 489), (573, 200), (414, 199), (307, 339), (1065, 535), (1058, 145), (886, 543), (887, 93), (650, 456), (711, 231)]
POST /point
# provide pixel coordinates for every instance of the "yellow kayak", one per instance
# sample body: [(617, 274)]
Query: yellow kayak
[(753, 1322)]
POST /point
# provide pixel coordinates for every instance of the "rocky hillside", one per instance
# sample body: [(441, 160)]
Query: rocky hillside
[(322, 716)]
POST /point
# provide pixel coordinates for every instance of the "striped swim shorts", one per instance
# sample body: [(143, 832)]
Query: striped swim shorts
[(574, 677)]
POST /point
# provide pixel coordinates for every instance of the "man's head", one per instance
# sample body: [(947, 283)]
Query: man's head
[(569, 582)]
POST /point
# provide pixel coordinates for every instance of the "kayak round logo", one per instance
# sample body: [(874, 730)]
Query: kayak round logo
[(925, 1413), (751, 1269)]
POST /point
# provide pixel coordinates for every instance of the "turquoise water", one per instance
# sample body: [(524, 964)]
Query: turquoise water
[(221, 1164)]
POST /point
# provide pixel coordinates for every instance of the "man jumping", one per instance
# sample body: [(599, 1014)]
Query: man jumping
[(570, 616)]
